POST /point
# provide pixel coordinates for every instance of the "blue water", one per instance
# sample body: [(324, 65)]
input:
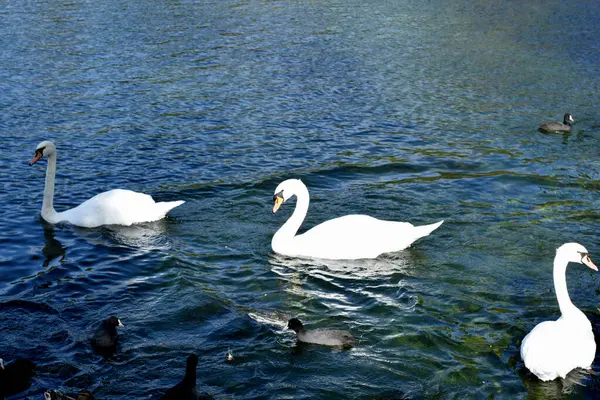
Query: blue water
[(412, 111)]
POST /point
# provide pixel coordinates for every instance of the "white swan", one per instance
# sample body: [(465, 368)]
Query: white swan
[(115, 207), (554, 348), (345, 238)]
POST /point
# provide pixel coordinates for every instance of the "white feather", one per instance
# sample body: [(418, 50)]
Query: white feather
[(114, 207), (345, 238), (553, 348)]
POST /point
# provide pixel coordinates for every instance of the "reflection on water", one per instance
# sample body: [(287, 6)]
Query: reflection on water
[(52, 248), (347, 285), (144, 237), (273, 318), (344, 269), (556, 389)]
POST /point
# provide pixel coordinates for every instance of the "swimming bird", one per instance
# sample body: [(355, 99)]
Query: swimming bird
[(114, 207), (557, 126), (553, 348), (105, 337), (344, 238), (324, 336), (15, 377), (56, 395), (186, 389)]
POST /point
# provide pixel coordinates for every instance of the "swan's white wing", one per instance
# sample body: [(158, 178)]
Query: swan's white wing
[(117, 207), (357, 236), (553, 348), (537, 351), (345, 238)]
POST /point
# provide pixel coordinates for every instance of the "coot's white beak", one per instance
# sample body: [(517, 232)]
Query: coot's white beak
[(120, 323)]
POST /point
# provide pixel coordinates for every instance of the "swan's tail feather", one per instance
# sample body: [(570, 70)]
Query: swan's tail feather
[(165, 206), (424, 230)]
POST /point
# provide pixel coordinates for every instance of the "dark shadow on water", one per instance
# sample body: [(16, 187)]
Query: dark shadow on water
[(52, 248), (389, 396), (28, 306), (57, 395), (300, 348), (143, 237), (107, 353), (573, 383)]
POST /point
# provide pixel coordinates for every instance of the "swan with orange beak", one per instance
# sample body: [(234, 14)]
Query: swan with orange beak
[(344, 238)]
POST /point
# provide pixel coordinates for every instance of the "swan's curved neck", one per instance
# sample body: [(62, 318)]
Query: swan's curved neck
[(567, 308), (290, 228), (48, 204)]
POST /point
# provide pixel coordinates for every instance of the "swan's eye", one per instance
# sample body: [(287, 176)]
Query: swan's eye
[(40, 150), (280, 195), (584, 255)]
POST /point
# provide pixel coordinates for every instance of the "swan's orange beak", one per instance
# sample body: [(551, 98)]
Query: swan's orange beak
[(588, 261), (38, 155), (278, 201)]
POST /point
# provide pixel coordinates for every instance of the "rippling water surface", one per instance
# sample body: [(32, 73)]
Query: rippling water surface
[(414, 111)]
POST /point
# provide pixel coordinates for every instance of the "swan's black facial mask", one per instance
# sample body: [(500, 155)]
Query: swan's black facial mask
[(278, 201), (39, 153)]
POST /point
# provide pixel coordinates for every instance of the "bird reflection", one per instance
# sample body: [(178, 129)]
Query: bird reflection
[(313, 279), (52, 248), (555, 389), (143, 237), (367, 268)]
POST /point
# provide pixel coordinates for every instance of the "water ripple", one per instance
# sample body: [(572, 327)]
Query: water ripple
[(401, 110)]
